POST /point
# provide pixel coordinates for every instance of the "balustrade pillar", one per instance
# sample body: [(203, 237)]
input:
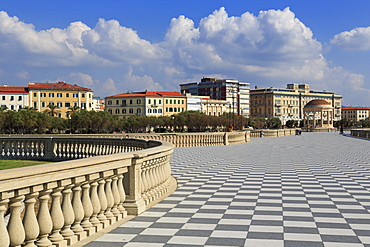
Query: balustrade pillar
[(122, 196), (103, 203), (44, 219), (88, 209), (4, 237), (57, 218), (116, 198), (15, 227), (78, 211), (31, 226), (95, 205), (68, 215), (110, 200)]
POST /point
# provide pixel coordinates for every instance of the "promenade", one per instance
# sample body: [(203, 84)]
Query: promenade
[(308, 190)]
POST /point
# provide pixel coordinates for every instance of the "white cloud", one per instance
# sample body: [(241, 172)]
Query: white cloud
[(356, 39), (269, 49)]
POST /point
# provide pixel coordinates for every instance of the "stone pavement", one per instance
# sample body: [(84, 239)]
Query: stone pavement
[(308, 190)]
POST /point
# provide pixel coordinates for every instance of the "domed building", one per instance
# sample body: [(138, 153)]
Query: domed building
[(318, 113)]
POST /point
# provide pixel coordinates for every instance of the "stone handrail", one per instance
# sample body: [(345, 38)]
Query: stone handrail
[(363, 133), (273, 132), (68, 201), (191, 139)]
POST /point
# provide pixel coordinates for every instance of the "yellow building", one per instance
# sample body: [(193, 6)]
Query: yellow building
[(145, 103), (173, 103), (287, 104), (60, 94)]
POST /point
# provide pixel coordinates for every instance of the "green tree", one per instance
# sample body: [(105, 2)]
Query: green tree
[(53, 110)]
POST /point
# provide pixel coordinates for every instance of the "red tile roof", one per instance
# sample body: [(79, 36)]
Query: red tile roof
[(12, 89), (355, 108), (57, 85), (147, 93)]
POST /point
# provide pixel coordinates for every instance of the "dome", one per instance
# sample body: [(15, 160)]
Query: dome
[(318, 103)]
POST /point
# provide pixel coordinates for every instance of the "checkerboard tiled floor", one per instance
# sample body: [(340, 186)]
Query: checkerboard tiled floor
[(309, 190)]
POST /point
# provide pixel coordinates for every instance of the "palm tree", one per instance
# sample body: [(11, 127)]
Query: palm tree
[(52, 111)]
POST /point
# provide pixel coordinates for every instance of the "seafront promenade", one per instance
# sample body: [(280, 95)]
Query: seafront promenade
[(308, 190)]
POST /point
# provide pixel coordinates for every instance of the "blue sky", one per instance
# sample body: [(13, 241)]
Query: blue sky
[(116, 46)]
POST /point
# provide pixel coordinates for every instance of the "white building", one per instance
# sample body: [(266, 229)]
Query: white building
[(13, 98)]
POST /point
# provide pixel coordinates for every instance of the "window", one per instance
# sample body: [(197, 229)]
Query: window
[(117, 111), (12, 107), (149, 102), (51, 103), (155, 101), (43, 104), (171, 109), (182, 101), (178, 102), (83, 95), (160, 101), (124, 111), (75, 103), (35, 104), (51, 95), (3, 97), (59, 104), (83, 105), (159, 110), (138, 101), (11, 98), (59, 95), (166, 101), (75, 95), (67, 104), (109, 102), (154, 110), (110, 111), (130, 101), (166, 109), (170, 101), (131, 110), (123, 102), (67, 95), (149, 110), (174, 109), (138, 110), (34, 94), (19, 98), (59, 114), (117, 102)]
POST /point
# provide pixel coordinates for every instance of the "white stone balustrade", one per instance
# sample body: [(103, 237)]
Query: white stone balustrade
[(68, 201)]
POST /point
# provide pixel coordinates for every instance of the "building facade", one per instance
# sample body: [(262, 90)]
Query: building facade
[(234, 92), (61, 94), (356, 113), (13, 98), (287, 104), (146, 103)]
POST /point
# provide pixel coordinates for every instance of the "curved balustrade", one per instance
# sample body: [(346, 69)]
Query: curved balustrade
[(68, 201)]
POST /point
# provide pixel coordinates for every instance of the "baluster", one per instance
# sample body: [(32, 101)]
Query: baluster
[(31, 226), (88, 209), (116, 198), (96, 206), (78, 211), (144, 183), (110, 200), (15, 227), (68, 215), (122, 196), (103, 203), (57, 218), (44, 219), (4, 237)]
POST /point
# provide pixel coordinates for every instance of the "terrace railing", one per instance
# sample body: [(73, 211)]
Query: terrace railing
[(99, 182)]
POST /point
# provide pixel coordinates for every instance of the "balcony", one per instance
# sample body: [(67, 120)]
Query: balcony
[(154, 106), (278, 105)]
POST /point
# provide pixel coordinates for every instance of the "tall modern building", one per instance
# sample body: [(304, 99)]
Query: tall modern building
[(288, 103), (234, 92)]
